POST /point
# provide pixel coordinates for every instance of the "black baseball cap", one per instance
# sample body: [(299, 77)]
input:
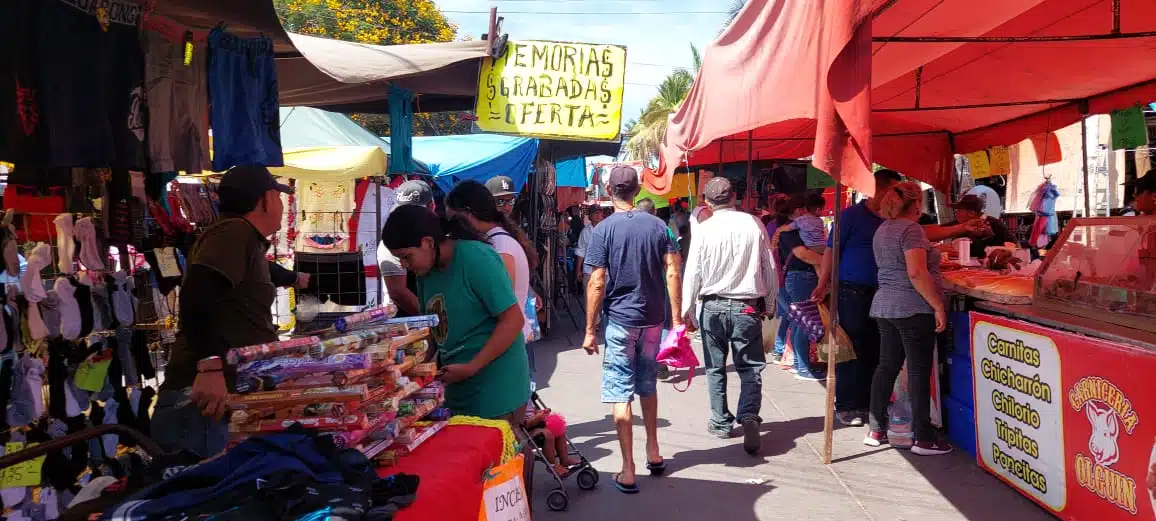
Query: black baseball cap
[(970, 202), (252, 181), (500, 186), (718, 191), (1146, 183), (414, 192), (623, 180)]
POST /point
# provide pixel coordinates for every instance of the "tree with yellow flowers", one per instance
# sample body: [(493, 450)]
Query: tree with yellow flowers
[(379, 22)]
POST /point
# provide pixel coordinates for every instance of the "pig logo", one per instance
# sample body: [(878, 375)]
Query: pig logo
[(1105, 428)]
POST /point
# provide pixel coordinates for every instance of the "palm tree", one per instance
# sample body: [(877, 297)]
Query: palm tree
[(732, 13), (645, 134)]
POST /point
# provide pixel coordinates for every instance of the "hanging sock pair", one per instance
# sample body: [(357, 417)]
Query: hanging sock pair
[(123, 301), (90, 255), (33, 287), (65, 243)]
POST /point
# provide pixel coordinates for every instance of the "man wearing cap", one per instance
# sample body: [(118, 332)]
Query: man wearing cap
[(400, 284), (502, 188), (633, 265), (225, 303), (729, 278), (969, 210)]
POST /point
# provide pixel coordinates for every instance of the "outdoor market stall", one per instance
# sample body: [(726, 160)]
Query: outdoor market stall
[(104, 244), (909, 84)]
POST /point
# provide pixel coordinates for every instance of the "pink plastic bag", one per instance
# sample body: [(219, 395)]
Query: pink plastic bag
[(676, 353)]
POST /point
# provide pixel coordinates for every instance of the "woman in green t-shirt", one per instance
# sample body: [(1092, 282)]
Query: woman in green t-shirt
[(481, 352)]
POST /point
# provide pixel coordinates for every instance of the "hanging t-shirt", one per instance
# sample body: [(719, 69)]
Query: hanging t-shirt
[(21, 133), (468, 296), (90, 63), (506, 244)]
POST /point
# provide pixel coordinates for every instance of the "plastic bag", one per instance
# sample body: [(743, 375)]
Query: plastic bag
[(845, 350), (532, 316), (676, 353)]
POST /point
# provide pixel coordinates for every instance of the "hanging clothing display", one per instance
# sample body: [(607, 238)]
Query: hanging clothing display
[(401, 130), (324, 210), (21, 133), (244, 108), (1047, 224), (92, 83), (178, 134)]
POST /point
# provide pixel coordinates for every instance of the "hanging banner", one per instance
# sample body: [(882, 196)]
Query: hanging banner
[(1069, 421), (1000, 161), (978, 164), (553, 90)]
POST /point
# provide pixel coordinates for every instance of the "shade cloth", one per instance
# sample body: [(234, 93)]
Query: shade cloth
[(571, 172), (806, 77), (343, 76), (451, 465), (452, 159), (331, 163), (307, 127)]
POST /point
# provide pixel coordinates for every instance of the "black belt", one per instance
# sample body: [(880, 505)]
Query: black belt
[(748, 301)]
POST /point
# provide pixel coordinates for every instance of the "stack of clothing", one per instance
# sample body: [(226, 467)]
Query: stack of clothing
[(354, 387)]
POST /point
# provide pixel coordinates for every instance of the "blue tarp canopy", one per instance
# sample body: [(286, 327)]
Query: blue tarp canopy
[(307, 127), (452, 159)]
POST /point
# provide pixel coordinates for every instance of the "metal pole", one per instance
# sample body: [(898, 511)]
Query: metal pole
[(750, 169), (1084, 164), (379, 181)]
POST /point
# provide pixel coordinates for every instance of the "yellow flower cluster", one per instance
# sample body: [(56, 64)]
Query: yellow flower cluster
[(382, 22)]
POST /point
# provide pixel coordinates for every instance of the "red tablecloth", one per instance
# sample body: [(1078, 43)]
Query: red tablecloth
[(450, 465)]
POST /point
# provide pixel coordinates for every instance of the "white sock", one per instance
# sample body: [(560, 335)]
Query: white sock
[(110, 440), (69, 309), (36, 327), (51, 503), (90, 254), (65, 243), (123, 301), (30, 282)]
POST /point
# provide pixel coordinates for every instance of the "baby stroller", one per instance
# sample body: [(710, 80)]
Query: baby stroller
[(587, 477)]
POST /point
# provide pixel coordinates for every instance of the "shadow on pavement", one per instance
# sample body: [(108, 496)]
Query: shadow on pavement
[(681, 500)]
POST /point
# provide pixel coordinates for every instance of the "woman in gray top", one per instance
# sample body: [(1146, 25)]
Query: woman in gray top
[(909, 309)]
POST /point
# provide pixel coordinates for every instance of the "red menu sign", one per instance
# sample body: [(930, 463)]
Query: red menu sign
[(1068, 420)]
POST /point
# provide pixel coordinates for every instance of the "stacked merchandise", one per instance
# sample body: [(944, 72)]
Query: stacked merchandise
[(360, 387)]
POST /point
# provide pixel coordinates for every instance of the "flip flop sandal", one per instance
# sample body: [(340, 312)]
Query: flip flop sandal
[(656, 469), (624, 488)]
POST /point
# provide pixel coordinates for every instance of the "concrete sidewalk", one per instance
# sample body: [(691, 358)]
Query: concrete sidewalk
[(709, 479)]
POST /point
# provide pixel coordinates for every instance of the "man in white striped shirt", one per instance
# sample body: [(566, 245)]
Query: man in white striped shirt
[(729, 283)]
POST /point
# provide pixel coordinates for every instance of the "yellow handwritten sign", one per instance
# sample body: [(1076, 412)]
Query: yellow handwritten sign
[(553, 90), (1000, 161), (25, 474), (980, 167)]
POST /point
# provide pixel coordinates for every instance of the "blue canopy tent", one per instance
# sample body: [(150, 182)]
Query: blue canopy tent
[(451, 159)]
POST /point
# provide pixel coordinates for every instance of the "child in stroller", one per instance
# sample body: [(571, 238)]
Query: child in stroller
[(547, 432)]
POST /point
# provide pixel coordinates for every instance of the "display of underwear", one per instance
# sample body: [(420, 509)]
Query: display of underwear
[(245, 113), (324, 210)]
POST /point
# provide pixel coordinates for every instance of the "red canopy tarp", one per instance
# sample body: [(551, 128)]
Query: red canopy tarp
[(905, 84)]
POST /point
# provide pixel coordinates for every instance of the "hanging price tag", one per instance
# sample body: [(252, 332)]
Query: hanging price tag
[(167, 262), (980, 167), (92, 372), (1000, 161), (188, 48), (25, 474)]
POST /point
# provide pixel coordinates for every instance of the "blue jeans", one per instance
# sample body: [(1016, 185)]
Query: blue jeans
[(732, 326), (853, 378), (530, 358), (781, 311), (800, 285), (630, 362), (178, 424)]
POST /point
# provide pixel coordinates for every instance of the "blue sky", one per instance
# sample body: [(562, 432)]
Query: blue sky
[(655, 43)]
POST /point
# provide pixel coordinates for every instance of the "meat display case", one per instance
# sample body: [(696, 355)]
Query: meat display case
[(1102, 268)]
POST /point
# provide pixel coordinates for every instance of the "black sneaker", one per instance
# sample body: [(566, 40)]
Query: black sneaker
[(931, 448), (751, 438)]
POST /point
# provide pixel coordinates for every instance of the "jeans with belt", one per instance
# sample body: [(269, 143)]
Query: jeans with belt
[(732, 326), (853, 378), (800, 285)]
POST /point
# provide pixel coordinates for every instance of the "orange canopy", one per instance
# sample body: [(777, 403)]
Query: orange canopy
[(907, 83)]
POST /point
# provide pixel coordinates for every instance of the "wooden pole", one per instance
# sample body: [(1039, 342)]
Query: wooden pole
[(836, 173), (750, 170)]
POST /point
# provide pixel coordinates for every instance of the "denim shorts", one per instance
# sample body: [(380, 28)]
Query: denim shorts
[(630, 362)]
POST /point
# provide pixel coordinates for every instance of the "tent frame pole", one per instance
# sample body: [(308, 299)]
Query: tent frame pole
[(1084, 165), (750, 170)]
